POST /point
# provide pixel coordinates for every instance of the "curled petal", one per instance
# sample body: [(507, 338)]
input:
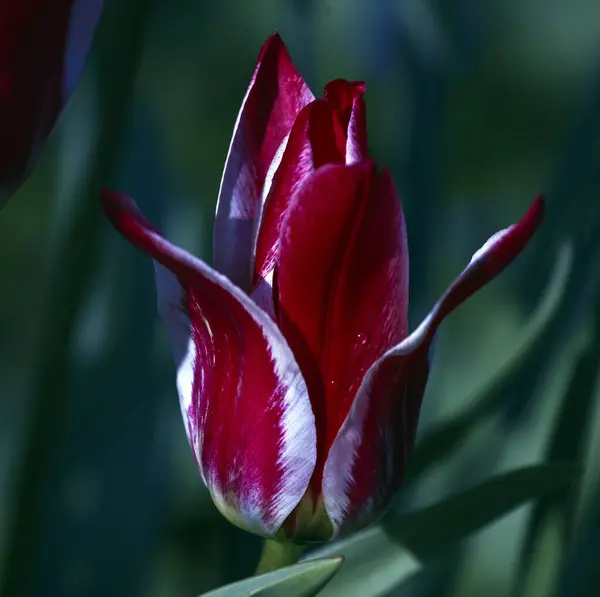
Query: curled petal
[(348, 98), (244, 402), (295, 165), (274, 98), (43, 45), (328, 130), (342, 285), (365, 465)]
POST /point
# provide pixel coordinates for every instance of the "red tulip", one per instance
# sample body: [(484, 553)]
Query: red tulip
[(299, 382), (43, 44)]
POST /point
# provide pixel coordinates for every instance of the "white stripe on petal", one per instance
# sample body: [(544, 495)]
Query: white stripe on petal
[(171, 300), (297, 450), (263, 198), (244, 400), (343, 469), (298, 431)]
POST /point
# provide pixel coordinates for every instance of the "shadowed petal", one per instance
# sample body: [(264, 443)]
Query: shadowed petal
[(365, 465), (243, 399), (342, 285), (274, 98), (43, 46)]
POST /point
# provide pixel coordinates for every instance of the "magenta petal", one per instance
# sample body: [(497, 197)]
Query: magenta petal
[(329, 130), (43, 45), (244, 402), (342, 284), (296, 164), (350, 94), (274, 98), (365, 465)]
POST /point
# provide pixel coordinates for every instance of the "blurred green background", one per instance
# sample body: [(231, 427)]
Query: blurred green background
[(475, 107)]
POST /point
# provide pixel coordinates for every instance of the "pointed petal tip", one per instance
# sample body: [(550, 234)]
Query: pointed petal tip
[(274, 41), (206, 316), (538, 207), (535, 214), (386, 408), (123, 212), (276, 94), (115, 201), (274, 46), (504, 246)]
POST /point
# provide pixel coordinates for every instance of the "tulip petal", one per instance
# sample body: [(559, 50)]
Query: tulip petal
[(274, 98), (342, 285), (243, 398), (296, 164), (43, 45), (349, 95), (328, 130), (365, 465)]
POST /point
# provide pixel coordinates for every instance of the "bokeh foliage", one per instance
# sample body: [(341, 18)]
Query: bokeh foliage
[(476, 107)]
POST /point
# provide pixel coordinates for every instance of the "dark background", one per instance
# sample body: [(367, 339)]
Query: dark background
[(475, 107)]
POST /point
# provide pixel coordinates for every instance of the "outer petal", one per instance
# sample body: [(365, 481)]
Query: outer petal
[(274, 98), (43, 45), (329, 130), (366, 462), (342, 285), (243, 399)]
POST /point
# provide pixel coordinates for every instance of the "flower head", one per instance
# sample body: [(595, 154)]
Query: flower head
[(43, 45), (300, 385)]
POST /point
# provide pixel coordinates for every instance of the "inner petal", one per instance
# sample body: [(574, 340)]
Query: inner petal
[(343, 285), (318, 137)]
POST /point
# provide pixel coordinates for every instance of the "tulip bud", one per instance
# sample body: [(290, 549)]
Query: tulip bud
[(299, 382)]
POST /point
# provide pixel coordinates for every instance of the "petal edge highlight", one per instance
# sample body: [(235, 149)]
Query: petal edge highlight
[(274, 98), (244, 401), (342, 285), (365, 466)]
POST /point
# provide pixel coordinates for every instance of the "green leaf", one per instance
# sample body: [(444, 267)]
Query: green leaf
[(301, 580), (427, 531), (382, 557), (374, 564), (581, 575), (443, 439), (550, 529)]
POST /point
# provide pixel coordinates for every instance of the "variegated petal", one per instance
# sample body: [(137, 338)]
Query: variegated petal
[(365, 466), (244, 401)]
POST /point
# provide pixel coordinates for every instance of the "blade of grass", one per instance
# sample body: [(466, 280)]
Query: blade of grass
[(427, 531), (554, 516)]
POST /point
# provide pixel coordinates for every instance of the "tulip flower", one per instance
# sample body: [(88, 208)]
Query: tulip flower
[(43, 45), (299, 382)]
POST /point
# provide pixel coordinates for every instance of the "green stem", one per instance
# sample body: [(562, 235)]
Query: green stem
[(278, 554)]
